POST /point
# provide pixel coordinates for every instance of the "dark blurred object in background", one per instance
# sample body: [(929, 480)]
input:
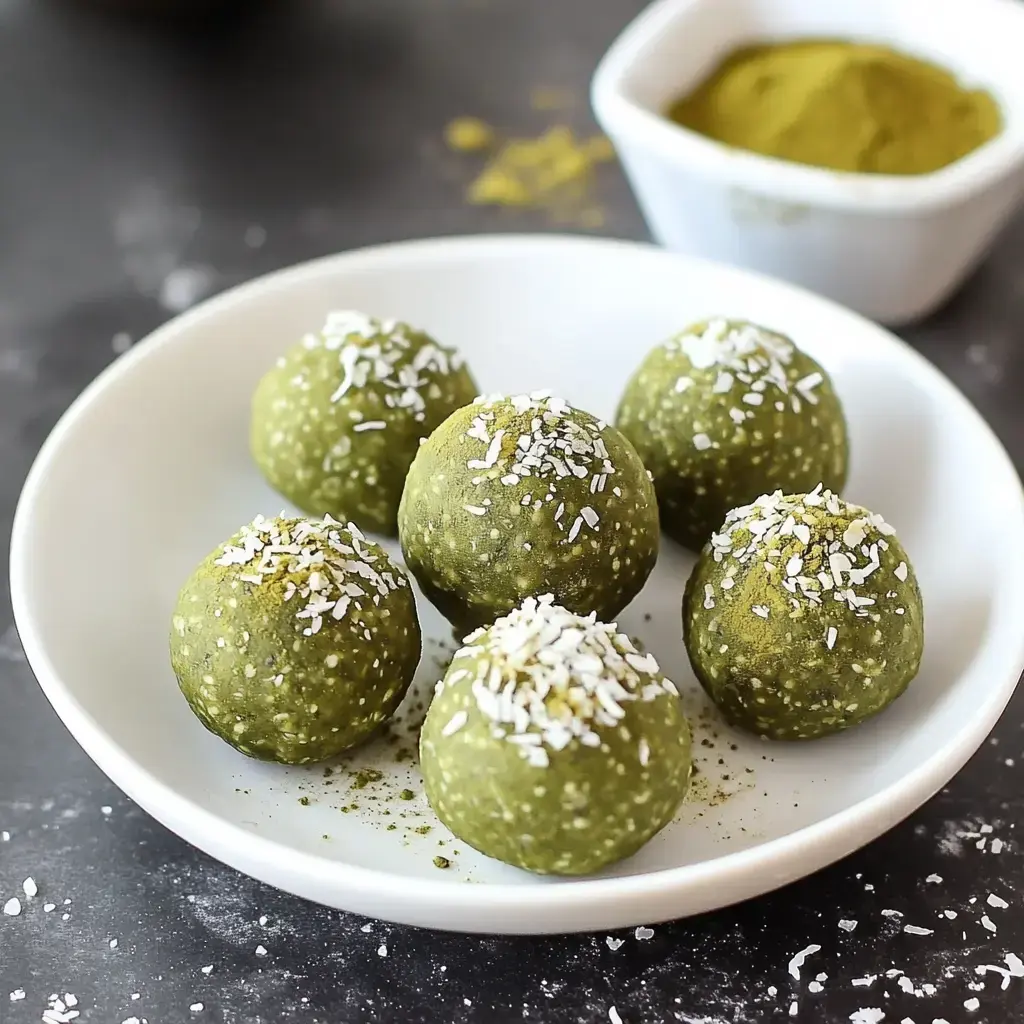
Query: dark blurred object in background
[(172, 10)]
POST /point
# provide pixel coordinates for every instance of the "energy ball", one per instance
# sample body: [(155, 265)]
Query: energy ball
[(295, 640), (724, 412), (336, 423), (552, 744), (803, 616), (515, 497)]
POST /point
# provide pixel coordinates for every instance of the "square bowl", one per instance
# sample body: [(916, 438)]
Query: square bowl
[(892, 248)]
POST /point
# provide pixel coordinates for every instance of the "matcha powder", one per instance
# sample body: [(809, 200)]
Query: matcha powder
[(841, 106)]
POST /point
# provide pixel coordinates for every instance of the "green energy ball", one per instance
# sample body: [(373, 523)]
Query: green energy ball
[(336, 423), (724, 412), (515, 497), (552, 744), (295, 640), (803, 616)]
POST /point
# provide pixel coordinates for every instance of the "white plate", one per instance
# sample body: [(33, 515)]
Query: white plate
[(149, 470)]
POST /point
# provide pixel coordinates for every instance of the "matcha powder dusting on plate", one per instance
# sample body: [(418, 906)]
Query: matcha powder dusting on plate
[(295, 640), (337, 422), (553, 744), (803, 616), (842, 106)]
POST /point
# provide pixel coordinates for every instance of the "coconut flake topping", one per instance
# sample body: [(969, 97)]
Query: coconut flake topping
[(331, 566), (387, 353), (552, 442), (546, 676), (823, 558), (749, 357)]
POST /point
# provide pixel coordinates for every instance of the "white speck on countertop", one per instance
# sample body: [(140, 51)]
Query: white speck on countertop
[(183, 287), (643, 932), (17, 995), (798, 960), (106, 810), (208, 969), (613, 943), (12, 908), (846, 925), (382, 949), (196, 1007), (255, 236), (935, 879), (29, 887), (996, 901), (261, 950), (867, 1015)]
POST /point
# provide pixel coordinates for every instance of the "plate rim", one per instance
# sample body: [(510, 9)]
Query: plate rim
[(665, 893)]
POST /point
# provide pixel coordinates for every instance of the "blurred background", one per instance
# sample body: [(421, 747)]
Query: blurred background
[(155, 153)]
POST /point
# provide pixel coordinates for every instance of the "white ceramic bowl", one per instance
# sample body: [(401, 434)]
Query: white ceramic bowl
[(891, 248), (150, 469)]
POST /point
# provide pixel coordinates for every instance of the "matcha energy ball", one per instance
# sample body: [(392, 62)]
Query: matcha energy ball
[(295, 640), (336, 423), (803, 616), (552, 744), (515, 497), (724, 412)]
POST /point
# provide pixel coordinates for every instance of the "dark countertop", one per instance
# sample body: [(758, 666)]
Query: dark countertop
[(302, 129)]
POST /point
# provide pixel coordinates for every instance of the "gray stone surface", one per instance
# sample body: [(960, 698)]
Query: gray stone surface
[(133, 151)]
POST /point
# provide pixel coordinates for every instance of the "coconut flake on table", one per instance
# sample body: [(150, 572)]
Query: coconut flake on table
[(61, 1010), (799, 959), (867, 1015), (914, 929)]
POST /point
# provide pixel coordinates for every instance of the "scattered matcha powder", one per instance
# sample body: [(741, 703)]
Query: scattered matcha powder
[(553, 172)]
